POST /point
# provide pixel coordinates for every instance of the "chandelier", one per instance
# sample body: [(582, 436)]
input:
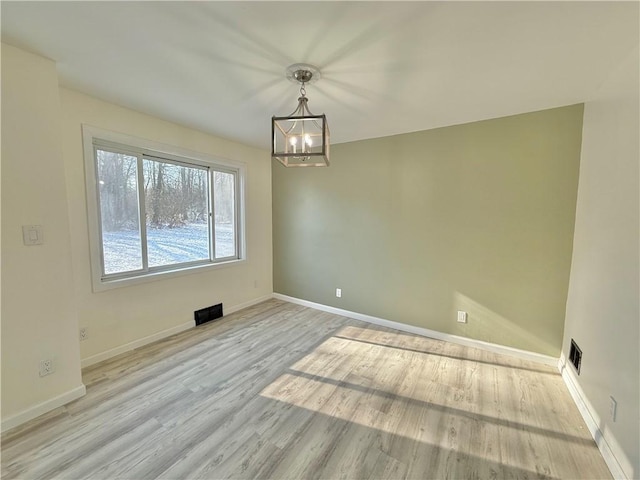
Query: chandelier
[(301, 139)]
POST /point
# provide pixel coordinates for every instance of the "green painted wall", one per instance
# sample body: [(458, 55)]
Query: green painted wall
[(476, 217)]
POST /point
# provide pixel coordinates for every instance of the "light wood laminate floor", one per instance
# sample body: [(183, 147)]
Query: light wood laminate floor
[(283, 391)]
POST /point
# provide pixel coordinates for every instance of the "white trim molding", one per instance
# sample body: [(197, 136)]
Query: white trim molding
[(613, 455), (42, 408), (469, 342), (107, 354), (127, 347)]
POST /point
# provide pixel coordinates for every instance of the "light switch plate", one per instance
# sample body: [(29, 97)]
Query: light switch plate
[(32, 235)]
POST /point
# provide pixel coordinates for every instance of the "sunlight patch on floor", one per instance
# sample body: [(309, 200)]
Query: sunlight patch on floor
[(402, 389)]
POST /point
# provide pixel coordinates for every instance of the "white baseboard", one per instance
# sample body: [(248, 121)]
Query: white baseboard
[(112, 352), (41, 408), (107, 354), (250, 303), (469, 342), (613, 455)]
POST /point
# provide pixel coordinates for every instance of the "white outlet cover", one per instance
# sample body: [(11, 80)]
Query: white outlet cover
[(462, 316), (47, 367), (338, 292)]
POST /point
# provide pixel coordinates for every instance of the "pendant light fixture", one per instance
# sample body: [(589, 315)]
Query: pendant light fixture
[(301, 139)]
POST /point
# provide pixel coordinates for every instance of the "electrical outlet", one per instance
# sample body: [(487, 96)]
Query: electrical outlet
[(83, 334), (462, 316), (46, 367), (613, 407), (338, 292)]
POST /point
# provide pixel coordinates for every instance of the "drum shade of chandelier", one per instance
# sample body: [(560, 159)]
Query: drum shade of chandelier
[(301, 139)]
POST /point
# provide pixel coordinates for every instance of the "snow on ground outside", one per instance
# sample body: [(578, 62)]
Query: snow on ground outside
[(166, 246)]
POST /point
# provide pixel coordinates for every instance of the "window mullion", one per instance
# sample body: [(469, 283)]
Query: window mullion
[(212, 223), (236, 213), (99, 210), (142, 211)]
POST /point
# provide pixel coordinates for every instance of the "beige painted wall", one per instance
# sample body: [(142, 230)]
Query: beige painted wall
[(46, 290), (38, 316), (476, 217), (603, 314), (123, 315)]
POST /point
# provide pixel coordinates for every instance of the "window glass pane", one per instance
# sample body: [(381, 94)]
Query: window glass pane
[(224, 214), (177, 213), (118, 193)]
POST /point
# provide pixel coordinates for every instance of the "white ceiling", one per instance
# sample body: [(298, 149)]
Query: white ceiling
[(387, 67)]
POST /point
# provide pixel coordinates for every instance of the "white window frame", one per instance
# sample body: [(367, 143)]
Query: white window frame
[(94, 138)]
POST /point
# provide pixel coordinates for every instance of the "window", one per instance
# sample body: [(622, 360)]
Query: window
[(157, 211)]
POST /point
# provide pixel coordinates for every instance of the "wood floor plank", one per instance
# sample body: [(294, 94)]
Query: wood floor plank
[(278, 390)]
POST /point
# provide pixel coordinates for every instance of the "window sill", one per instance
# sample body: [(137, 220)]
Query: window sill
[(100, 285)]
